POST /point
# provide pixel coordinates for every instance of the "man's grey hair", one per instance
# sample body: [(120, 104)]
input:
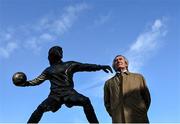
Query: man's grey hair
[(114, 66)]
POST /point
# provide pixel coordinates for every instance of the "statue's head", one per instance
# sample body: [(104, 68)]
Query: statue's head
[(55, 55)]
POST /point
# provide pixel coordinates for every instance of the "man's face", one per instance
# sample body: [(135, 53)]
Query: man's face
[(120, 63)]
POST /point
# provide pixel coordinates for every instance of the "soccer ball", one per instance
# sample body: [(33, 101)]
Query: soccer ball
[(19, 79)]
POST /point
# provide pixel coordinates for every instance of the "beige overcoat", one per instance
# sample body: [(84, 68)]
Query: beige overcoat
[(127, 98)]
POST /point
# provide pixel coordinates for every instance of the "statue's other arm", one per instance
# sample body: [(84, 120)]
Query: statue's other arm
[(40, 79)]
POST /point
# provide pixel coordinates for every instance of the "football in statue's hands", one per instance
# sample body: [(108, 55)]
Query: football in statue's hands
[(19, 79)]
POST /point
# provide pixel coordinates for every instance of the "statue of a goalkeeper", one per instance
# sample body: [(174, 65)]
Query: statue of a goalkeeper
[(60, 75)]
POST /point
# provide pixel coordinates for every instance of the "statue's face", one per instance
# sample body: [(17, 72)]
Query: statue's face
[(56, 51), (120, 63), (61, 54)]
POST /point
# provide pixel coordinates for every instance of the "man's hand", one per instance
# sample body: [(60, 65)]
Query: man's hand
[(106, 68)]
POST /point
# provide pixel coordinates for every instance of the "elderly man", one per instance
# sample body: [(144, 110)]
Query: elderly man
[(126, 96)]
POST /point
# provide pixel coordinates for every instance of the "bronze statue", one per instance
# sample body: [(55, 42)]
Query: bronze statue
[(60, 75)]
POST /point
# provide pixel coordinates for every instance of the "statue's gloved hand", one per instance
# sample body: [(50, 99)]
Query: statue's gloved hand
[(106, 68)]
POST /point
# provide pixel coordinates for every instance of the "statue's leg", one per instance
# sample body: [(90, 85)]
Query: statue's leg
[(37, 115), (80, 100), (89, 110), (48, 104)]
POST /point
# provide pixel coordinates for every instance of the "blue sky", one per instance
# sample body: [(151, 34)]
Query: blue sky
[(146, 32)]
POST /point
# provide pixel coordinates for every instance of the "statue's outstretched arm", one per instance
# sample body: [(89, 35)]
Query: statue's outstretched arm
[(91, 67)]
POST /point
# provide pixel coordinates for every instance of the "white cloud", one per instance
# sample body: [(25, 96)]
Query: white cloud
[(146, 43), (8, 49), (157, 25), (46, 37), (148, 40), (7, 46), (46, 29), (62, 22)]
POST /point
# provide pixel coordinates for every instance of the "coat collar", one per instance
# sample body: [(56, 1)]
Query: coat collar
[(122, 73)]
